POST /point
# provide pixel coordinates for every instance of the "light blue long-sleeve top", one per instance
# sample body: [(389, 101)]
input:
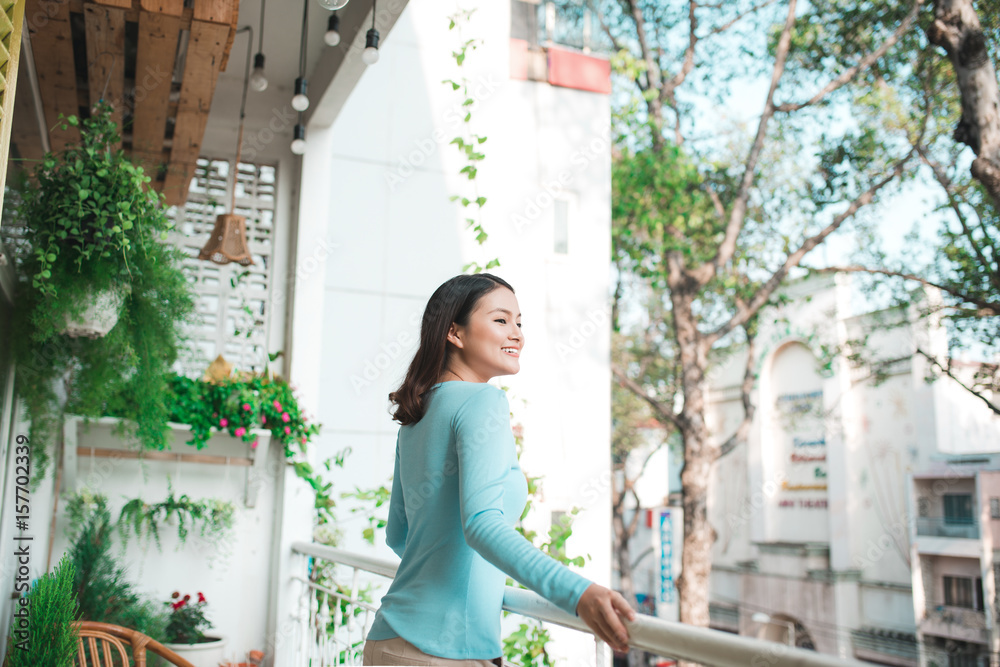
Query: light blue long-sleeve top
[(457, 491)]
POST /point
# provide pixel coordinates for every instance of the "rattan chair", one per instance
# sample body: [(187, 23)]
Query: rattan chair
[(103, 645)]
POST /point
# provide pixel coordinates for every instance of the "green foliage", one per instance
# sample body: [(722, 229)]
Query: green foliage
[(526, 645), (101, 585), (468, 143), (376, 498), (213, 517), (51, 637), (88, 223), (242, 405), (187, 619)]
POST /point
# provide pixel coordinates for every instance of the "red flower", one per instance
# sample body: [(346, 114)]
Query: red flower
[(177, 605), (175, 595), (187, 597), (201, 598)]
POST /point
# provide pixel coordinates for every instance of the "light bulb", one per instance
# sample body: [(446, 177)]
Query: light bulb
[(300, 102), (333, 4), (370, 55), (257, 79), (332, 36), (299, 141)]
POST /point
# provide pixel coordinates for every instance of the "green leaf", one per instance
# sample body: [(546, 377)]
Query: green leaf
[(83, 193), (480, 201)]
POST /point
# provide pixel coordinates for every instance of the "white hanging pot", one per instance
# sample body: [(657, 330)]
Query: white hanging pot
[(100, 317)]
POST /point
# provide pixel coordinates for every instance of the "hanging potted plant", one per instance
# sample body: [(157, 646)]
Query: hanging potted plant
[(101, 297), (186, 632)]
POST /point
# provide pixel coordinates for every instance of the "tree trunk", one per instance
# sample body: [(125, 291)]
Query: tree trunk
[(699, 454), (622, 541), (956, 28)]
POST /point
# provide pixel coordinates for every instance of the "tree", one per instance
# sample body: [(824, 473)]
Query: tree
[(716, 235)]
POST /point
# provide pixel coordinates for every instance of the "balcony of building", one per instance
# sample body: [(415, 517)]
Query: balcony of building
[(947, 515), (334, 617)]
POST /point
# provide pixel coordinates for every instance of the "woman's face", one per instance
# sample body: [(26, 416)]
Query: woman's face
[(492, 341)]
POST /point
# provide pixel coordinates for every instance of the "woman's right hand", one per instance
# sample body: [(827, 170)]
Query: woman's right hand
[(601, 608)]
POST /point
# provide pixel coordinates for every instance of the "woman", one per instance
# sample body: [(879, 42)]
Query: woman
[(457, 491)]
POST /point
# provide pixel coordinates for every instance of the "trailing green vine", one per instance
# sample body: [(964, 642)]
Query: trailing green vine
[(212, 517), (526, 646), (468, 143)]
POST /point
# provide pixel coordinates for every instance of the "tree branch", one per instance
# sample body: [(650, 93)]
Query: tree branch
[(743, 430), (947, 371), (634, 387), (762, 296), (862, 65), (956, 28), (991, 308), (949, 189), (737, 215)]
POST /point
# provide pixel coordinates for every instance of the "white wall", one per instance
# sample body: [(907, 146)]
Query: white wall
[(388, 178)]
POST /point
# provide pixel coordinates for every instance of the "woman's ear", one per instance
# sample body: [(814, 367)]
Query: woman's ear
[(454, 335)]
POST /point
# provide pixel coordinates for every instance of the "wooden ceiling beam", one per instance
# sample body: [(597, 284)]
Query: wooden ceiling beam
[(156, 52), (205, 51)]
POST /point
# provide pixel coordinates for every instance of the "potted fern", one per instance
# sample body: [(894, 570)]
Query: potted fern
[(90, 235)]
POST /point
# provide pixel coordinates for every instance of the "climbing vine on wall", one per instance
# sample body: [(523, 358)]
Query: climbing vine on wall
[(468, 143)]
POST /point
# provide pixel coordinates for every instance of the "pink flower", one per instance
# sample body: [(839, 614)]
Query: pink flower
[(277, 406), (223, 423), (246, 406), (253, 445), (240, 432), (288, 430), (285, 417), (303, 440), (263, 419)]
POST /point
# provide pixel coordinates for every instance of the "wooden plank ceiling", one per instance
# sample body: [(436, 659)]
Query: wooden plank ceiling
[(156, 61)]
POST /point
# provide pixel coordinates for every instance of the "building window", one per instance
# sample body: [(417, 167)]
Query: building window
[(958, 508), (232, 302), (963, 592), (995, 508)]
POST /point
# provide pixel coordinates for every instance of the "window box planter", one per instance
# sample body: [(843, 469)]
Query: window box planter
[(222, 449)]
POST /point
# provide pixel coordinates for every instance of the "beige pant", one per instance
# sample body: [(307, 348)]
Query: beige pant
[(398, 651)]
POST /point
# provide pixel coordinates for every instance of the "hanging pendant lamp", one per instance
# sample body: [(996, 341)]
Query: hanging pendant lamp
[(228, 241)]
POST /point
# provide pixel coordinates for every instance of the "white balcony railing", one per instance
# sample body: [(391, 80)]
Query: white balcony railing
[(334, 636)]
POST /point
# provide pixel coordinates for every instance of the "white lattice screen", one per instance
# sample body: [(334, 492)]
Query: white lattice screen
[(230, 297)]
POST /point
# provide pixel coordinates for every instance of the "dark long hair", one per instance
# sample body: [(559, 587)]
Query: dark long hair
[(453, 301)]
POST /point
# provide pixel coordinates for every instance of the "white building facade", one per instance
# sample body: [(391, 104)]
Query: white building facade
[(814, 513)]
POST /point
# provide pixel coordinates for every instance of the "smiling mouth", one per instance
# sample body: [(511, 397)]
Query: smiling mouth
[(512, 351)]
